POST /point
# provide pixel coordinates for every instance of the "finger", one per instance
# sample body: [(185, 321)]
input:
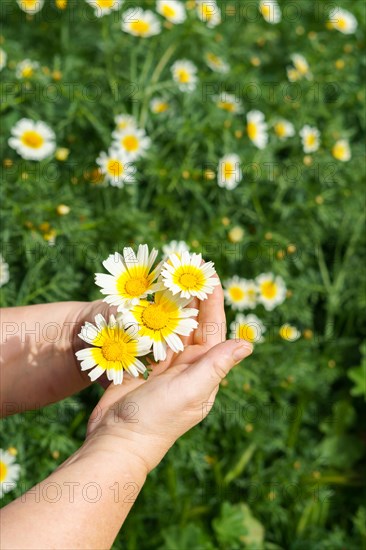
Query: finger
[(212, 322)]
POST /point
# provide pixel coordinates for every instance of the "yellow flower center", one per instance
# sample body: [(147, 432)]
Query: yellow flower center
[(161, 107), (301, 66), (27, 72), (227, 106), (252, 130), (33, 139), (339, 151), (113, 351), (280, 129), (105, 4), (168, 11), (154, 317), (188, 280), (29, 4), (183, 76), (137, 286), (269, 290), (342, 23), (265, 10), (130, 143), (246, 332), (310, 140), (3, 471), (287, 332), (236, 293), (228, 169), (115, 168), (207, 10), (140, 27)]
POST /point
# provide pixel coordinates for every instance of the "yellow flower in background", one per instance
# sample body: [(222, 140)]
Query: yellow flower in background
[(26, 68), (116, 349), (310, 137), (3, 58), (30, 6), (341, 150), (125, 122), (32, 140), (140, 23), (209, 12), (104, 7), (240, 293), (228, 102), (162, 322), (188, 276), (133, 142), (172, 10), (236, 234), (175, 247), (257, 129), (9, 472), (61, 4), (270, 10), (159, 105), (184, 73), (62, 153), (271, 290), (289, 333), (284, 129), (342, 20), (132, 277), (229, 172), (117, 167), (300, 68), (247, 327), (216, 63)]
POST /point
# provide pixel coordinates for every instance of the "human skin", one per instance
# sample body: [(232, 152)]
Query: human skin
[(84, 503)]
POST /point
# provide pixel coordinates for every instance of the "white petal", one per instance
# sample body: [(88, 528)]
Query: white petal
[(95, 373)]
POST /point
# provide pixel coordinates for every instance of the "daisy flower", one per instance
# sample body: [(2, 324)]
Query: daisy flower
[(116, 167), (229, 172), (133, 142), (341, 150), (30, 6), (284, 129), (240, 294), (4, 271), (310, 137), (9, 472), (216, 63), (141, 23), (132, 277), (3, 58), (125, 122), (26, 68), (188, 276), (172, 10), (184, 73), (228, 102), (271, 290), (104, 7), (175, 247), (289, 332), (208, 12), (162, 321), (342, 20), (300, 70), (257, 129), (32, 140), (270, 10), (247, 327), (116, 349), (159, 105)]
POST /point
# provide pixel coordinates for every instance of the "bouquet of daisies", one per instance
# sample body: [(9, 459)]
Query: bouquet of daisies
[(153, 310)]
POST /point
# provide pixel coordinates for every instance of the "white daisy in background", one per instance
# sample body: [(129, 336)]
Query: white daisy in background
[(125, 122), (216, 63), (132, 277), (342, 20), (3, 58), (284, 129), (271, 290), (104, 7), (162, 321), (116, 167), (159, 105), (270, 10), (341, 150), (32, 140), (175, 247), (310, 137), (26, 68), (172, 10), (4, 271), (141, 23), (133, 142), (229, 172), (30, 6), (300, 68), (9, 472), (257, 129), (240, 293), (185, 74), (208, 12), (289, 333), (117, 348), (228, 102), (247, 327), (188, 276)]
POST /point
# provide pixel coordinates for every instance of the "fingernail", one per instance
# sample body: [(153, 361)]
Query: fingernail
[(242, 351)]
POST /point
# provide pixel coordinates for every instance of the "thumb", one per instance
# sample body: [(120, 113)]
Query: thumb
[(208, 372)]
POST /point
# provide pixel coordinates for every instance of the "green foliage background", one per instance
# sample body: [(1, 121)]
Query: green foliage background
[(278, 462)]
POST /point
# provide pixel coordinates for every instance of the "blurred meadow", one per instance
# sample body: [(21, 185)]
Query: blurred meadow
[(235, 129)]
